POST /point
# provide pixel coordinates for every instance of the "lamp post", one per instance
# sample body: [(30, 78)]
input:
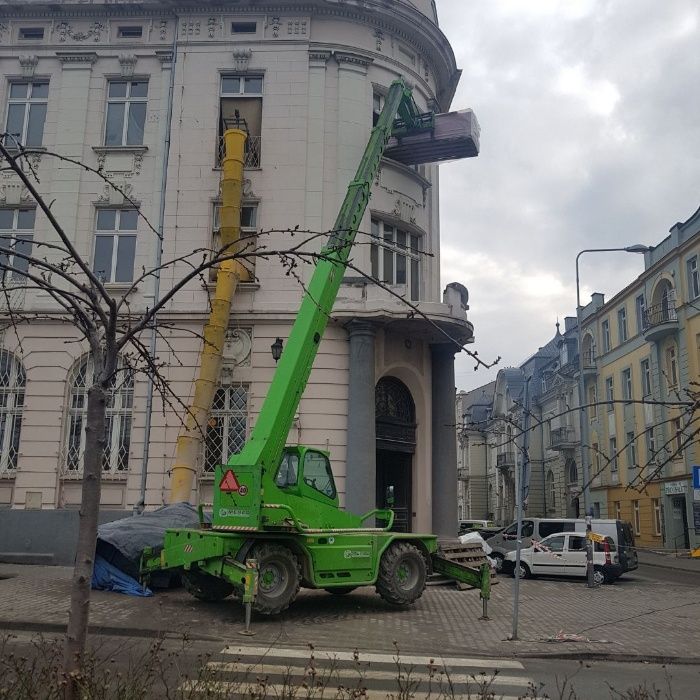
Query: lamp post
[(636, 248), (276, 349)]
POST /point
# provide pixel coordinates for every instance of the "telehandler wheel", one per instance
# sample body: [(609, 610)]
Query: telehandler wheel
[(402, 574), (204, 586), (340, 590), (278, 578)]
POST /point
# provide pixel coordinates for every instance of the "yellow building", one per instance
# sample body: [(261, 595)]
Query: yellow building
[(641, 358)]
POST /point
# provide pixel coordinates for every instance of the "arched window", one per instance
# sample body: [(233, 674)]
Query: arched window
[(228, 423), (551, 491), (118, 419), (572, 471), (12, 383)]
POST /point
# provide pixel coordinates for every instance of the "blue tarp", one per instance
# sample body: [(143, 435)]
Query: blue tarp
[(106, 577)]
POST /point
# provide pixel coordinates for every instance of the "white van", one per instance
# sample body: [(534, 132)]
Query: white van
[(539, 528)]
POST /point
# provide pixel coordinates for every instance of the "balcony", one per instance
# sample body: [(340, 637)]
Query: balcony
[(562, 438), (505, 460), (661, 319), (252, 152)]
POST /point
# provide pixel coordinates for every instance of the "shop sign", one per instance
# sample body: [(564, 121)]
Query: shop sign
[(673, 488)]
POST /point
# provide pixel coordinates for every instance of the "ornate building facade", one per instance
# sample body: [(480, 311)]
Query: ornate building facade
[(142, 91)]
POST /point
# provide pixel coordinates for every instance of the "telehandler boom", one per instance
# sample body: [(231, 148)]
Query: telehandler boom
[(276, 523)]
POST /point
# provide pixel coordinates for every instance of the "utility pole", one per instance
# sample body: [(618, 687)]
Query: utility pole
[(519, 472)]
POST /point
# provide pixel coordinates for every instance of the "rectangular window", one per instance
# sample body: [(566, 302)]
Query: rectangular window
[(613, 454), (622, 325), (243, 27), (126, 112), (16, 234), (678, 438), (646, 377), (610, 393), (31, 33), (240, 106), (592, 401), (606, 335), (377, 106), (656, 508), (115, 244), (631, 450), (618, 510), (640, 306), (26, 113), (671, 366), (596, 509), (627, 384), (693, 278), (595, 458), (650, 442), (395, 257), (133, 32), (227, 425), (637, 518), (249, 227)]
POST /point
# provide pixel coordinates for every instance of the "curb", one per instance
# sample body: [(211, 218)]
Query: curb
[(659, 565), (105, 630)]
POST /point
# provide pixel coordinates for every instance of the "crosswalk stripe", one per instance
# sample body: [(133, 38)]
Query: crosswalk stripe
[(452, 662), (355, 675), (225, 688)]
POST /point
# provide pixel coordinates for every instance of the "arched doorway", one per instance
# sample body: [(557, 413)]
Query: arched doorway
[(395, 416)]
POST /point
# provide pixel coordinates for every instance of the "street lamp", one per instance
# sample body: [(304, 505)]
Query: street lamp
[(636, 248), (276, 349)]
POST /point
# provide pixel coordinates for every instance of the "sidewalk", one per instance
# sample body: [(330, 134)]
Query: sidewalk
[(634, 619), (668, 560)]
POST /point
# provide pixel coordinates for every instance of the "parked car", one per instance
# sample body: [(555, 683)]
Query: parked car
[(474, 525), (565, 555), (539, 528)]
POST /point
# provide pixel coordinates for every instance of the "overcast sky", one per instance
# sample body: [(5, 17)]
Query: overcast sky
[(590, 137)]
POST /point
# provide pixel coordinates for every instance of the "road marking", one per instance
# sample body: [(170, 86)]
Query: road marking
[(274, 652), (362, 674)]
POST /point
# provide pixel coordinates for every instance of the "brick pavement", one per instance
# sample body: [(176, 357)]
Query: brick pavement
[(635, 617)]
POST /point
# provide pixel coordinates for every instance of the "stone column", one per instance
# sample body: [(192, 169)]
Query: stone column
[(444, 463), (361, 466)]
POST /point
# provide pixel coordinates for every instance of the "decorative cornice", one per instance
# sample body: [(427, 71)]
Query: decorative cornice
[(241, 59), (317, 56), (79, 58), (354, 59), (165, 56)]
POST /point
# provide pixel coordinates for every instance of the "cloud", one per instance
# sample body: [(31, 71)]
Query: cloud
[(590, 137)]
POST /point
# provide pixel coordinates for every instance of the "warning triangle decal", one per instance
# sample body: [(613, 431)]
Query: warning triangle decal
[(229, 482)]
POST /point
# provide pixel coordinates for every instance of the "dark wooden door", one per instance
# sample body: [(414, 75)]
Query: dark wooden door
[(394, 469)]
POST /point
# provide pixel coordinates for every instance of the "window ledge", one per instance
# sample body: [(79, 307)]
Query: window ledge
[(120, 149), (242, 286), (106, 476), (8, 475), (119, 287)]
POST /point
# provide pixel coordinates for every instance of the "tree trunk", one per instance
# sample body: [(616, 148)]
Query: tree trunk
[(76, 634)]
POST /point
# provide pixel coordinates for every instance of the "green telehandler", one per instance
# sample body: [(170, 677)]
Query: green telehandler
[(276, 523)]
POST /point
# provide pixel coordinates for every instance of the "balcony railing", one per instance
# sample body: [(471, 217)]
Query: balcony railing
[(589, 359), (660, 313), (252, 151), (661, 319), (505, 460), (562, 437)]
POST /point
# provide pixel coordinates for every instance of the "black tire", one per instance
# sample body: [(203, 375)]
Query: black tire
[(278, 578), (524, 571), (402, 574), (340, 590), (206, 587), (498, 558)]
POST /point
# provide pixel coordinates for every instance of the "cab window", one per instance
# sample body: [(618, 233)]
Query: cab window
[(287, 474), (577, 544), (318, 474), (547, 529), (555, 544), (511, 532)]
